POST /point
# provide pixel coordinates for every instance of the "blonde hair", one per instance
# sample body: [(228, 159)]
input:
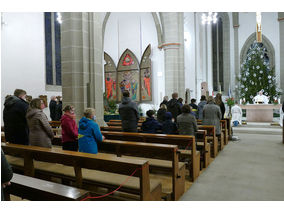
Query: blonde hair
[(163, 106), (210, 99), (218, 99), (89, 112)]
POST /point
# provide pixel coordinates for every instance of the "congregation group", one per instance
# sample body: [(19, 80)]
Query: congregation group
[(26, 123)]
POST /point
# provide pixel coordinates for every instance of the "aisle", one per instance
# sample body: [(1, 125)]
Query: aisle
[(249, 169)]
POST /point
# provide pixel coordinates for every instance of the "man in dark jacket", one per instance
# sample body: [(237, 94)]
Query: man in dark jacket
[(165, 100), (129, 114), (58, 109), (14, 116), (52, 108), (173, 106), (6, 174)]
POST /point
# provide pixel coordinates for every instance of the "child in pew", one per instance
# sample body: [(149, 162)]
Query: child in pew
[(150, 125), (168, 126), (89, 133), (69, 129)]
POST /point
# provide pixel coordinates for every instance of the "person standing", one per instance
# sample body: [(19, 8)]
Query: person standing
[(186, 122), (201, 104), (69, 129), (128, 112), (41, 132), (6, 174), (168, 126), (58, 112), (14, 116), (220, 103), (194, 107), (212, 115), (173, 106), (165, 100), (89, 133), (52, 108), (161, 113)]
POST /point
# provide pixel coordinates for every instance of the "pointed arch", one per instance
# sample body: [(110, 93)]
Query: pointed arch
[(128, 75), (146, 75), (266, 42), (110, 78)]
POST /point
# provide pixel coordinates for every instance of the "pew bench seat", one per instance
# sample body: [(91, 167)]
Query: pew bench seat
[(92, 177), (40, 190)]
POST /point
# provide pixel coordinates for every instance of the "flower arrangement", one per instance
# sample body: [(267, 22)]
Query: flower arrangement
[(230, 102), (275, 101)]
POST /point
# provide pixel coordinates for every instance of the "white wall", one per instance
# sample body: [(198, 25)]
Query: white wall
[(23, 55), (270, 28), (136, 31)]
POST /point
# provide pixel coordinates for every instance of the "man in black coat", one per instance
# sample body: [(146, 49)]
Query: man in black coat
[(173, 106), (165, 100), (52, 108), (58, 109), (6, 174), (129, 114), (14, 116)]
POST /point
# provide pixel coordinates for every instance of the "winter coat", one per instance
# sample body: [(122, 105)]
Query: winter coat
[(41, 133), (58, 111), (129, 115), (6, 172), (186, 123), (69, 128), (200, 109), (169, 127), (164, 102), (223, 109), (174, 107), (15, 122), (161, 115), (212, 116), (89, 135), (194, 109), (52, 109), (150, 125)]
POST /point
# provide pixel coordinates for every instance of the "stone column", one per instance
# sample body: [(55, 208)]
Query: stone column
[(173, 45), (281, 43), (81, 59), (236, 26)]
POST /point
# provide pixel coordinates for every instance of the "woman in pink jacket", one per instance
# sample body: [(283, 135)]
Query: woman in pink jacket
[(69, 129)]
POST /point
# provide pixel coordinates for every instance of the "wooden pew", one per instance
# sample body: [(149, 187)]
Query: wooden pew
[(139, 124), (55, 124), (88, 169), (224, 129), (204, 147), (211, 137), (229, 128), (40, 190), (182, 141), (167, 155)]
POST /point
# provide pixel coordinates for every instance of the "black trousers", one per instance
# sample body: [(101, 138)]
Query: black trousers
[(70, 145)]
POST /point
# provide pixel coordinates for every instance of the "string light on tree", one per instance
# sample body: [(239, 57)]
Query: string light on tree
[(209, 17)]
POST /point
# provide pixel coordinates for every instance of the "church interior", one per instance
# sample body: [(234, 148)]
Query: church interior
[(97, 60)]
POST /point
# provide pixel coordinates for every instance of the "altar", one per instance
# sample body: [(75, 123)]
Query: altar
[(260, 112)]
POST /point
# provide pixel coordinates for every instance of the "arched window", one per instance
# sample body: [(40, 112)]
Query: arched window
[(52, 49), (217, 55)]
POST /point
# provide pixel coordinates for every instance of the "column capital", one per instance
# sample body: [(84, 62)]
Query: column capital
[(236, 26)]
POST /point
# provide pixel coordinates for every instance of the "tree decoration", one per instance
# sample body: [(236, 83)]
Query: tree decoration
[(257, 69)]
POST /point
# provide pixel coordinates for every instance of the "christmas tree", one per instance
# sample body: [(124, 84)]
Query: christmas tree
[(256, 75)]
